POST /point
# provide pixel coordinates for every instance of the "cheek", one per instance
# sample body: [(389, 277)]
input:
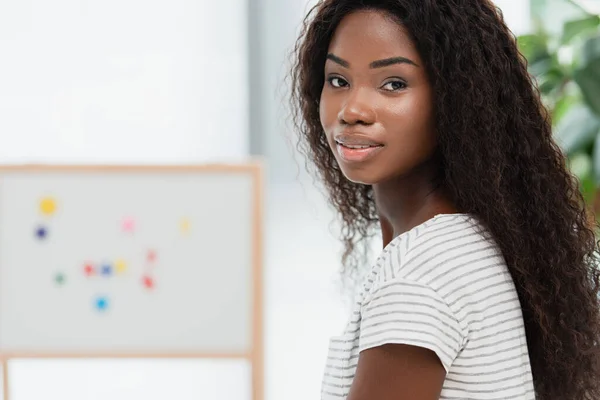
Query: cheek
[(327, 112), (411, 127), (322, 115)]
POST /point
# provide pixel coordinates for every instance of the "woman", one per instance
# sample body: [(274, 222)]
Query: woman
[(422, 120)]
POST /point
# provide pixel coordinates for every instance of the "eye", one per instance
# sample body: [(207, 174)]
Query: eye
[(394, 86), (337, 82)]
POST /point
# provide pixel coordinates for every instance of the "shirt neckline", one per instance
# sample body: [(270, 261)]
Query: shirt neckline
[(423, 224)]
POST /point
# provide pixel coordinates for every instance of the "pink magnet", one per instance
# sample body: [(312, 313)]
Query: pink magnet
[(128, 225), (151, 255)]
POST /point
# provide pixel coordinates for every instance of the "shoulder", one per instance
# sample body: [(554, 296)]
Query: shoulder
[(421, 282), (444, 249), (438, 250), (449, 252), (451, 257), (450, 232)]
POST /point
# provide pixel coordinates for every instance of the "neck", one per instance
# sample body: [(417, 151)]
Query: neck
[(407, 201)]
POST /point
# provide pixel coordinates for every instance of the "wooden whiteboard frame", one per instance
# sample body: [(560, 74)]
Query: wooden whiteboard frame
[(256, 354)]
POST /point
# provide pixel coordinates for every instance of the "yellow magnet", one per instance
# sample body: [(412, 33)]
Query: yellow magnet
[(185, 225), (121, 266), (48, 206)]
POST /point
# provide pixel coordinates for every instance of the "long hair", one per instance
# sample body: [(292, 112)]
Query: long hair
[(499, 162)]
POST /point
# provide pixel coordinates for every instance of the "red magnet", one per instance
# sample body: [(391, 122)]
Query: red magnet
[(148, 282), (88, 269)]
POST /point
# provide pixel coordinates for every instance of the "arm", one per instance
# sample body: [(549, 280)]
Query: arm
[(397, 372), (409, 338)]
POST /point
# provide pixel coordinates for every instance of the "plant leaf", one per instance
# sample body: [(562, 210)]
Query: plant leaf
[(588, 79), (578, 6), (596, 159), (587, 75), (576, 129), (591, 49), (534, 47), (551, 80), (587, 186), (580, 165), (541, 66), (563, 104), (572, 29)]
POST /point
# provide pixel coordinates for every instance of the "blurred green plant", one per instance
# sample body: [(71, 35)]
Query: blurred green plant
[(566, 65)]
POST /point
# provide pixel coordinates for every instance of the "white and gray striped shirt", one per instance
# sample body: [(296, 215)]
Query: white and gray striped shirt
[(443, 286)]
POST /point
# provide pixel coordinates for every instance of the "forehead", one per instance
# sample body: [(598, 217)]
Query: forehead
[(369, 35)]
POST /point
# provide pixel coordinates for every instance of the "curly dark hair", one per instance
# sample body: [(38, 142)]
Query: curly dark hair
[(499, 162)]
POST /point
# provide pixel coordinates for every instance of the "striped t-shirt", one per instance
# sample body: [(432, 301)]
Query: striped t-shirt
[(443, 286)]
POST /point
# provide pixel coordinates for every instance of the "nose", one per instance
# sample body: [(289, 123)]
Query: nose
[(357, 109)]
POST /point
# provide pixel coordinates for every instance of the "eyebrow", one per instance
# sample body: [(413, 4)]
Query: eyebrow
[(375, 64)]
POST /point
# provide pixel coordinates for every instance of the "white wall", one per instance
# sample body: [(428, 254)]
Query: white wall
[(123, 80), (274, 28)]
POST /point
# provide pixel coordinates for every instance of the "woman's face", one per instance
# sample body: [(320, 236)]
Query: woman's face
[(376, 104)]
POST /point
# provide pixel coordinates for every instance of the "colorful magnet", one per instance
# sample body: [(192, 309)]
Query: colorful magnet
[(101, 303), (151, 256), (148, 282), (88, 269), (41, 232), (120, 266), (59, 278), (106, 269), (128, 225), (48, 206)]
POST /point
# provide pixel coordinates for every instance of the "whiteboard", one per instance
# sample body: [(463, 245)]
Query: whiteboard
[(129, 260)]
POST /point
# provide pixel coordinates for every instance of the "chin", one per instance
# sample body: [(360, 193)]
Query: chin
[(362, 176)]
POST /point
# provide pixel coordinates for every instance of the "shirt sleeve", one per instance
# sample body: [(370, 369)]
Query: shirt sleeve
[(406, 312)]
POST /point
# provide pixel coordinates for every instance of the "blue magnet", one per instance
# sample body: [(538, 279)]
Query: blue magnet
[(101, 303), (41, 232), (106, 269)]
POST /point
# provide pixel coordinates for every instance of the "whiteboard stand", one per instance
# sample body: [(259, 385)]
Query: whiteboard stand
[(5, 378), (17, 181)]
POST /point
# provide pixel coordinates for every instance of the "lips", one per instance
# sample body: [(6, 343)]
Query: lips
[(356, 141), (356, 148)]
